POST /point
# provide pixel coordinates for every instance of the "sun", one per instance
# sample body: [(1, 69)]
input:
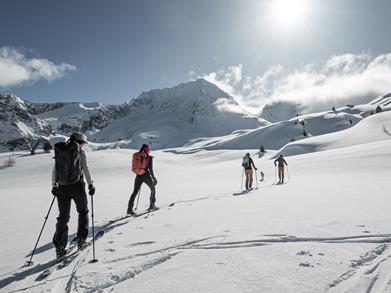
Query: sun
[(288, 13)]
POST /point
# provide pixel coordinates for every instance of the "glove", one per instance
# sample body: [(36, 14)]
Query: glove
[(256, 169), (154, 180), (54, 190), (91, 189)]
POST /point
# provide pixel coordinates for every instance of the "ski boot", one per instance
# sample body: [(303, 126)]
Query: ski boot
[(60, 252), (152, 207), (81, 244), (130, 212)]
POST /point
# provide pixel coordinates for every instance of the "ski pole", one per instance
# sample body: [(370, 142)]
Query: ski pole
[(256, 178), (241, 183), (93, 231), (287, 171), (275, 174), (30, 262), (138, 198)]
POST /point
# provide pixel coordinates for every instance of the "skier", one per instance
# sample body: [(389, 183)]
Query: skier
[(281, 161), (68, 175), (248, 165), (142, 166)]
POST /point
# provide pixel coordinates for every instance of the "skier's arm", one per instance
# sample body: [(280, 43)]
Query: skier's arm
[(275, 161), (285, 162), (54, 176), (150, 167), (84, 167)]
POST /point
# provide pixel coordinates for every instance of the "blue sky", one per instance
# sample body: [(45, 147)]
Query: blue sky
[(111, 51)]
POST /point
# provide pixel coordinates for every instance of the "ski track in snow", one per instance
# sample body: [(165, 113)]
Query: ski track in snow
[(370, 273), (114, 276)]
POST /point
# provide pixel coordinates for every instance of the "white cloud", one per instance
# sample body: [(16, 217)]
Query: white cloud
[(341, 79), (227, 78), (17, 69)]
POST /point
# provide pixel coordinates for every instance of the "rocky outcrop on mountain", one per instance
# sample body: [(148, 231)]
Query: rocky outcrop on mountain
[(83, 117), (19, 129)]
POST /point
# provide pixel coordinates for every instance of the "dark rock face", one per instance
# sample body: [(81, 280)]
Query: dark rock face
[(19, 128), (39, 108)]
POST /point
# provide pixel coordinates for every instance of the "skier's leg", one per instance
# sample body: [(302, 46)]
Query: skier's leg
[(152, 198), (79, 195), (250, 185), (282, 174), (137, 185), (279, 174), (60, 237), (247, 178)]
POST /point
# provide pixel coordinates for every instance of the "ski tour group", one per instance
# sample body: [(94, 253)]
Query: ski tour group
[(70, 172)]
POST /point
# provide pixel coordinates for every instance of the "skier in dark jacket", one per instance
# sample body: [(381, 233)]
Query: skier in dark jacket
[(72, 190), (146, 176), (248, 165), (281, 161)]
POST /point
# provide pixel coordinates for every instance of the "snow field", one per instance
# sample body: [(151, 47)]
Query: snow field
[(327, 229)]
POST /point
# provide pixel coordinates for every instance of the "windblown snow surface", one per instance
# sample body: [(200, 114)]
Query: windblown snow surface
[(327, 229)]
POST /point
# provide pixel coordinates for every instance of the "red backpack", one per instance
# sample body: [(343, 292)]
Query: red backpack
[(140, 163)]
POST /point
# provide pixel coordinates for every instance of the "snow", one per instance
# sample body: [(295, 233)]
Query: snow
[(327, 229), (371, 129), (24, 129)]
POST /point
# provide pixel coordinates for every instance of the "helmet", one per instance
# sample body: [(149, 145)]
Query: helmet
[(78, 137), (247, 154)]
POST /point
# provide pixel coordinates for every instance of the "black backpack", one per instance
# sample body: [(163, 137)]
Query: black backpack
[(67, 160), (246, 162)]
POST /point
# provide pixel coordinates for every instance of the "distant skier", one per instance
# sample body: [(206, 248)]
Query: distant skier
[(142, 166), (68, 184), (248, 165), (281, 161)]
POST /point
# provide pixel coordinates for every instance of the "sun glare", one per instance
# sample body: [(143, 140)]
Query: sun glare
[(288, 12)]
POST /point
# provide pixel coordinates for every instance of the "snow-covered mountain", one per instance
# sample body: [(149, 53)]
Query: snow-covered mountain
[(19, 129), (196, 114), (172, 117)]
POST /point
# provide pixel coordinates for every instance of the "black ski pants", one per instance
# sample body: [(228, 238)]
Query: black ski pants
[(65, 195), (140, 179)]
